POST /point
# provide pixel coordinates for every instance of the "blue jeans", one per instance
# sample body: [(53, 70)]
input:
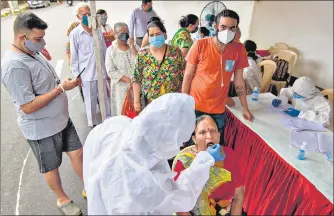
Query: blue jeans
[(220, 119)]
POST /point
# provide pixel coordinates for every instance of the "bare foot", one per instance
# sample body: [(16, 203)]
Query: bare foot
[(63, 200)]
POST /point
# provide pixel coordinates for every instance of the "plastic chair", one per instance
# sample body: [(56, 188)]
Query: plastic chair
[(289, 56), (277, 47), (269, 67), (329, 93)]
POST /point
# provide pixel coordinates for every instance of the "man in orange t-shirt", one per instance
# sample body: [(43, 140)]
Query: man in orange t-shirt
[(210, 65)]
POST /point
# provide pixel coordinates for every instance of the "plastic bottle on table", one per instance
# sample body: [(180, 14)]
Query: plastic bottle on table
[(255, 96), (301, 152)]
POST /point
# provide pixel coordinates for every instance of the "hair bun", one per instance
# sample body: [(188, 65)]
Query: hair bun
[(183, 22), (154, 19)]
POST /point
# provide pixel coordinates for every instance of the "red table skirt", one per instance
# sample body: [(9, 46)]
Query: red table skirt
[(272, 186)]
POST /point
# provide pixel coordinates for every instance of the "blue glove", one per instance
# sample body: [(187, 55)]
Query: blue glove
[(276, 102), (214, 151), (292, 112)]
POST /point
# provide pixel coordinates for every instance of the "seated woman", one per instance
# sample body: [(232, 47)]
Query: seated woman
[(182, 38), (252, 74), (307, 101), (224, 191), (158, 69)]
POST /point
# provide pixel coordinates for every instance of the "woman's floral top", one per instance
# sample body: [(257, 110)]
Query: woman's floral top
[(182, 39), (157, 82)]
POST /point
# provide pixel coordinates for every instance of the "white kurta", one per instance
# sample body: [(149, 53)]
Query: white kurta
[(118, 63)]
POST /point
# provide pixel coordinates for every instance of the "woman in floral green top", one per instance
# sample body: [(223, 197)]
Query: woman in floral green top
[(182, 38), (159, 68)]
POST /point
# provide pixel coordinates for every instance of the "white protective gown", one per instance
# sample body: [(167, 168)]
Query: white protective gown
[(252, 76), (314, 107), (125, 161)]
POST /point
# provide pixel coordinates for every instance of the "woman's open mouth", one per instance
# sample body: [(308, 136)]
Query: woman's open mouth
[(209, 144)]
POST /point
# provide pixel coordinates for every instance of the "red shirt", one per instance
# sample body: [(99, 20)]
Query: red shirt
[(206, 86), (227, 190)]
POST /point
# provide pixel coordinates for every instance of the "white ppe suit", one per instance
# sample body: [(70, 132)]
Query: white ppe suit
[(125, 161), (313, 107)]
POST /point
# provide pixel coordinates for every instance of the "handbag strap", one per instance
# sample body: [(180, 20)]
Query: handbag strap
[(163, 58)]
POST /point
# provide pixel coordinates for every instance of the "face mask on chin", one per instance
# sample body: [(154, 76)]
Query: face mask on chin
[(226, 36)]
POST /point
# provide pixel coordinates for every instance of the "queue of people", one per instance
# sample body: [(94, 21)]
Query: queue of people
[(183, 87)]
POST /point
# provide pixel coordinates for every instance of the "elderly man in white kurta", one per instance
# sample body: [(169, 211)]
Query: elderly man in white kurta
[(83, 57), (120, 60)]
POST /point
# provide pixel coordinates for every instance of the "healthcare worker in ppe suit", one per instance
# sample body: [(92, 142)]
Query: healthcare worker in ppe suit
[(125, 161), (307, 101)]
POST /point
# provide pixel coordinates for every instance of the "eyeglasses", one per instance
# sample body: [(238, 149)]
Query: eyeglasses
[(233, 28)]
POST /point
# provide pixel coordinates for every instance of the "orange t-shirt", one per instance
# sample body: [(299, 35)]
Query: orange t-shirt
[(206, 86)]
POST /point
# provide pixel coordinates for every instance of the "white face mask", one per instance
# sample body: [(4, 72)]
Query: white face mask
[(226, 36)]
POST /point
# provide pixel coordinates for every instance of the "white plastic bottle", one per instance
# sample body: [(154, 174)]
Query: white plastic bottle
[(255, 96)]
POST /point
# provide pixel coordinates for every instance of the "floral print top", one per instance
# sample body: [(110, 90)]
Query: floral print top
[(157, 82), (182, 39)]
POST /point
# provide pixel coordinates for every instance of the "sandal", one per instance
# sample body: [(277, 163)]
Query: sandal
[(69, 208)]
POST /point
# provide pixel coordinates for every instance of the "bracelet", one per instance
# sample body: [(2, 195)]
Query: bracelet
[(62, 88)]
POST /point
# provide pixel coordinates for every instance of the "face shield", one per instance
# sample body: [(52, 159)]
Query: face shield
[(304, 87)]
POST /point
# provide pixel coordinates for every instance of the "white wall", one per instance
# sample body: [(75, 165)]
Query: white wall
[(171, 12), (307, 26)]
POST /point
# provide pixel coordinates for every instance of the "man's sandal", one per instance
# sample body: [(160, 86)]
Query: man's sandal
[(69, 208)]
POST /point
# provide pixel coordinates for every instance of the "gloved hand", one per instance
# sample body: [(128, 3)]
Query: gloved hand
[(214, 151), (276, 102), (292, 112)]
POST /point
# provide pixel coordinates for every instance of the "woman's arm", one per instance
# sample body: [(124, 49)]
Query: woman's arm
[(109, 37), (136, 96), (184, 51), (238, 201), (136, 82), (145, 41)]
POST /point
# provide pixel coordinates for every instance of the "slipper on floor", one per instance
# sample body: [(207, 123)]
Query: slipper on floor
[(69, 208)]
